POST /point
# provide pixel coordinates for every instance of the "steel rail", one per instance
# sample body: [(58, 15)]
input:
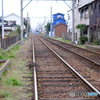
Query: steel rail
[(75, 52), (35, 78), (75, 46), (73, 70)]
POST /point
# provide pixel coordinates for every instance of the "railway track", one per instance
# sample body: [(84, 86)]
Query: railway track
[(76, 61), (86, 54), (56, 78)]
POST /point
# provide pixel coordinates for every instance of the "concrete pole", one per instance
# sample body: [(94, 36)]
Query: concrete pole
[(27, 24), (51, 21), (2, 21), (44, 26), (21, 20), (73, 7)]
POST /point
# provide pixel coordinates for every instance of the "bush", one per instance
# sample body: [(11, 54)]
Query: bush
[(83, 39), (13, 81), (96, 42), (91, 38)]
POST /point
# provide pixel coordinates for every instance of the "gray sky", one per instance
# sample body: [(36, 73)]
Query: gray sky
[(35, 9)]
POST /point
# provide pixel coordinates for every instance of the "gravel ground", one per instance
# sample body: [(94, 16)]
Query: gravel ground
[(49, 87), (88, 69)]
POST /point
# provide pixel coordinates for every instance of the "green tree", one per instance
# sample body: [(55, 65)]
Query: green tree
[(25, 23), (47, 27), (18, 30), (82, 28)]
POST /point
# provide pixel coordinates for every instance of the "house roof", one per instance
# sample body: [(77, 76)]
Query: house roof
[(81, 7), (12, 14), (59, 18), (58, 13), (4, 20), (59, 24), (95, 25)]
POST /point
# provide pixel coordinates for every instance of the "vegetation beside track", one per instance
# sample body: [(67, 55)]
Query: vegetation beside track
[(12, 84), (68, 41)]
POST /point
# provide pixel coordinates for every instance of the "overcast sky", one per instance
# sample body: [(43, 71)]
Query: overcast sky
[(35, 9)]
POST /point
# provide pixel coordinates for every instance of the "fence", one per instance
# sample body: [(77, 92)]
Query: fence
[(68, 36), (5, 43)]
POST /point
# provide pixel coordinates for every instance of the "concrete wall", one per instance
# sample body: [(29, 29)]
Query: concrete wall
[(69, 20)]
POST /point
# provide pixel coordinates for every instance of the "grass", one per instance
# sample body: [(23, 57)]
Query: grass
[(4, 94), (30, 95), (63, 40), (10, 54), (68, 41), (13, 83), (82, 46), (24, 39), (1, 64), (39, 85)]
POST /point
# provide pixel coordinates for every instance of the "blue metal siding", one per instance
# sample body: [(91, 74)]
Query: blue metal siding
[(55, 16), (59, 21)]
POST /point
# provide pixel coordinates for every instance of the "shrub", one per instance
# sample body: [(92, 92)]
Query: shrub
[(13, 81), (12, 55), (96, 42), (83, 39), (91, 38)]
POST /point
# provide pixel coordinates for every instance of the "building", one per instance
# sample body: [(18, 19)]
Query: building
[(81, 16), (94, 23), (8, 27), (85, 13), (13, 18), (60, 28), (69, 21), (58, 21), (5, 22)]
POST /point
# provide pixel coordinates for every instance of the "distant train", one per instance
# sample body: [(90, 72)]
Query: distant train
[(36, 32)]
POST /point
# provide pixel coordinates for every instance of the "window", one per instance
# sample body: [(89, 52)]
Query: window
[(86, 14), (77, 2), (82, 14), (69, 30), (57, 22), (99, 8), (94, 28), (68, 17), (92, 10), (59, 16)]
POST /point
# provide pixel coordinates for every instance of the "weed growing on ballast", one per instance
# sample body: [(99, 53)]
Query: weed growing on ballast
[(13, 81)]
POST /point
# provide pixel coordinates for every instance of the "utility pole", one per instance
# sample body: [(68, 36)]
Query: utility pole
[(51, 21), (44, 26), (73, 7), (21, 20), (2, 21), (27, 24)]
